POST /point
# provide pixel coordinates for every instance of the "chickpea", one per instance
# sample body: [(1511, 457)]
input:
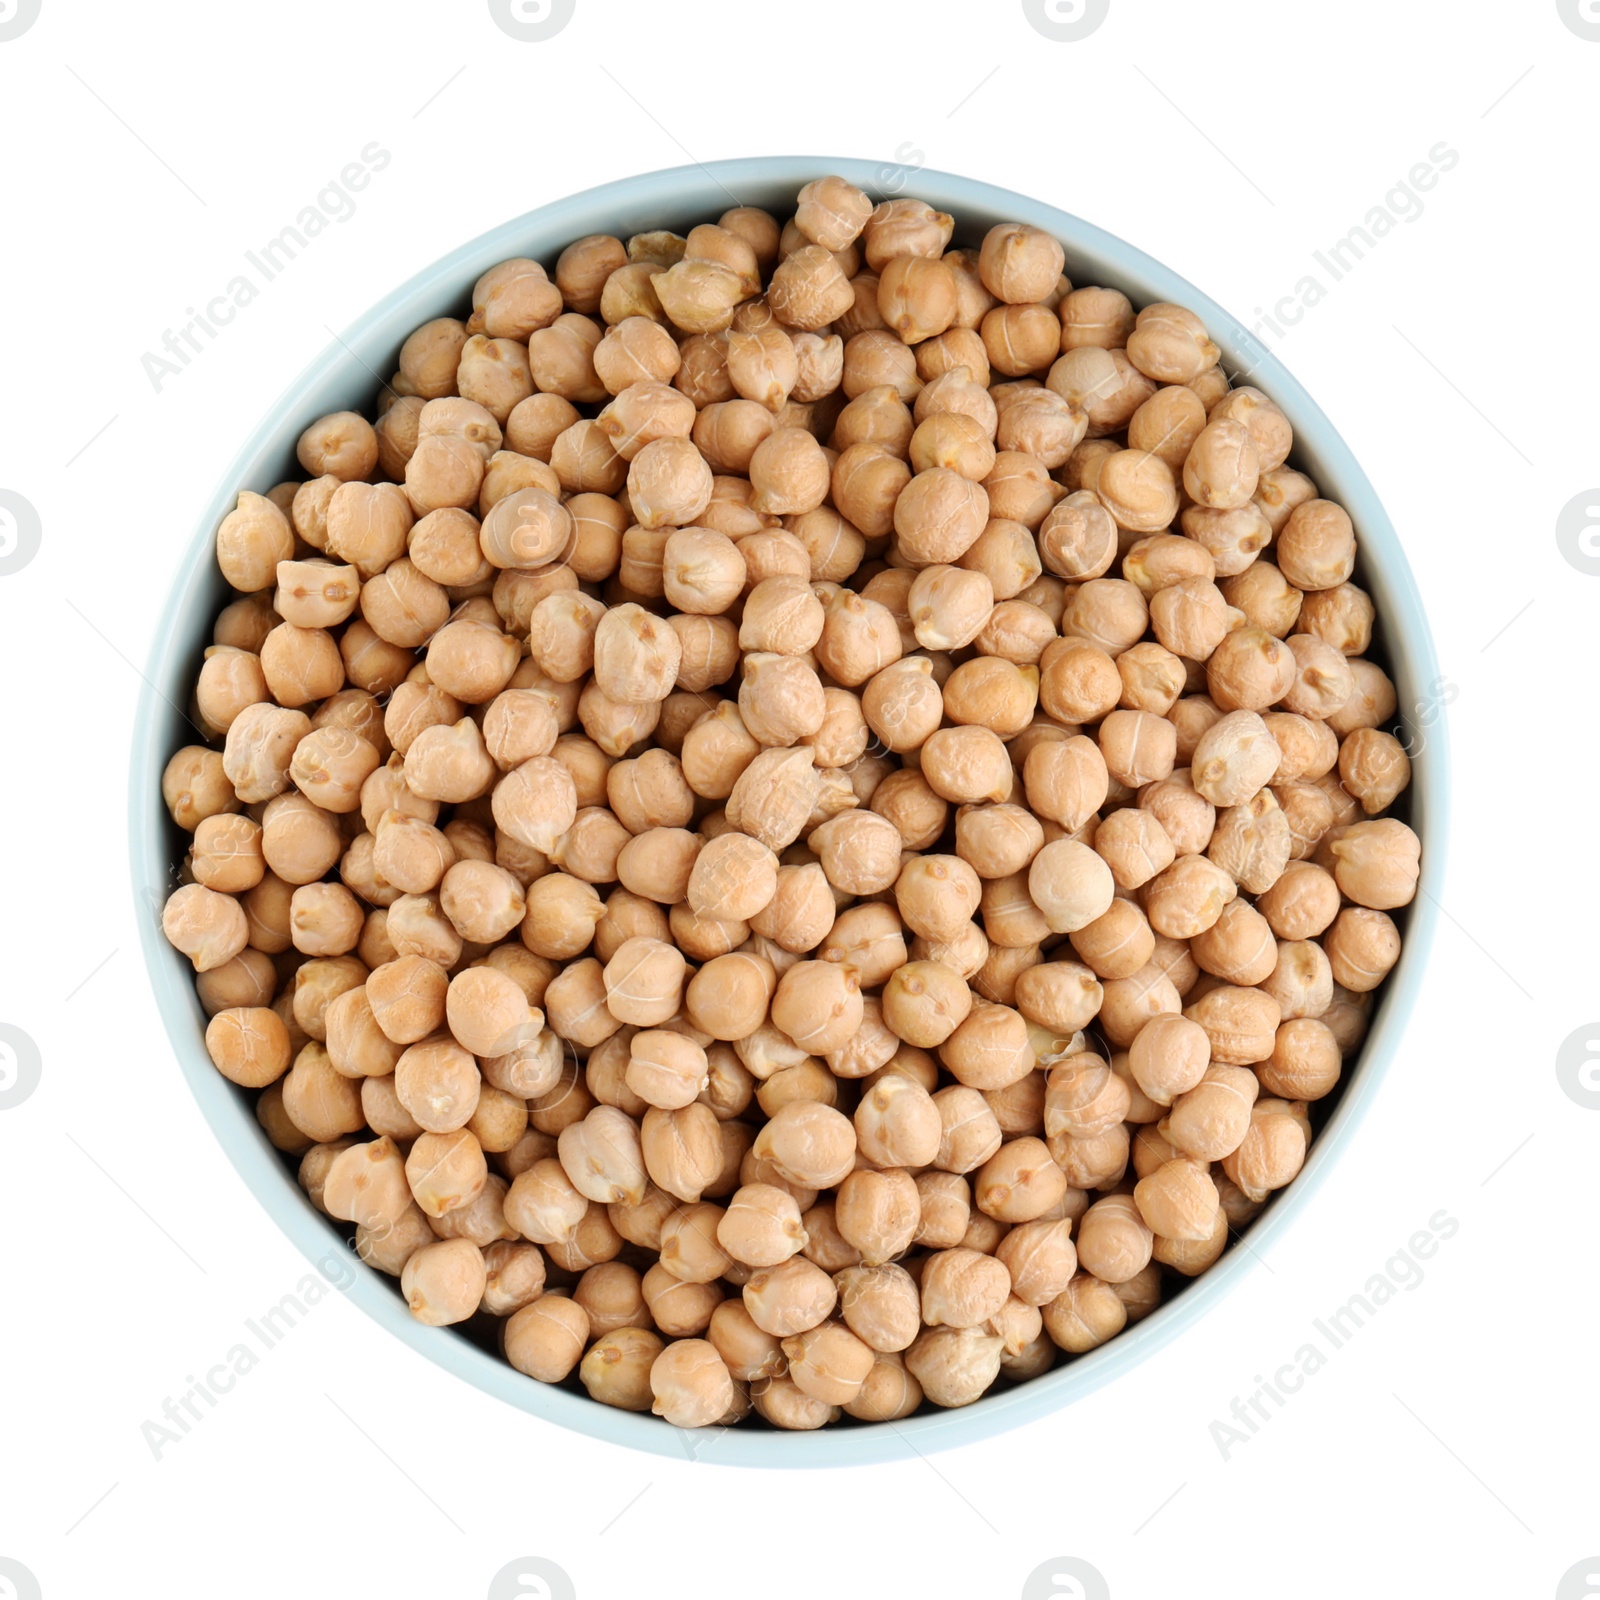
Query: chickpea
[(208, 927), (1375, 863), (1114, 1241), (1374, 767), (938, 516), (1317, 546), (955, 1366), (1272, 1152), (1362, 947), (1178, 1200), (1070, 884), (1234, 759), (790, 1297), (1085, 1314), (937, 895), (249, 1045), (1020, 1182)]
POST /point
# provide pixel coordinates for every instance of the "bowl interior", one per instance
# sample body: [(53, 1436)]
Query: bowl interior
[(349, 374)]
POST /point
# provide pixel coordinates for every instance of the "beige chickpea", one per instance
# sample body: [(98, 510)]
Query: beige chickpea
[(1267, 599), (1250, 670), (1070, 884), (227, 854), (997, 840), (780, 698), (644, 984), (683, 1149), (208, 927), (602, 1156), (1342, 616), (1137, 488), (666, 1069), (1252, 842), (962, 1288), (1271, 1153), (1020, 339), (761, 1226), (543, 1204), (809, 289), (955, 1366), (690, 1249), (1374, 767), (1240, 1023), (781, 1402), (1192, 716), (1301, 980), (1040, 1259), (877, 1213), (1178, 1200), (681, 1310), (1305, 1062), (1362, 947), (1376, 863), (536, 802), (1078, 681), (781, 615), (545, 1339), (749, 1353), (938, 516), (937, 895), (1085, 1314), (1019, 264), (1234, 759), (691, 1385), (1222, 467), (444, 1282), (635, 350), (1317, 546), (1308, 749), (1210, 1121), (1114, 1241), (249, 1045), (789, 1297), (251, 540), (616, 1370), (1371, 705), (1020, 1182), (949, 606), (1094, 316)]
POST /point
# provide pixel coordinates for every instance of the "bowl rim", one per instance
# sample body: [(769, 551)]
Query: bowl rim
[(701, 190)]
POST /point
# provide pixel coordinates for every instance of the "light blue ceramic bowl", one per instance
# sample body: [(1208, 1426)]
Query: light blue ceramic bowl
[(347, 374)]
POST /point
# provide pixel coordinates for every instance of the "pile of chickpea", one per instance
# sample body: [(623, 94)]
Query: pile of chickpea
[(801, 819)]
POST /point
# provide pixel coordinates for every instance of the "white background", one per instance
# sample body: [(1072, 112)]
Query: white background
[(1445, 1448)]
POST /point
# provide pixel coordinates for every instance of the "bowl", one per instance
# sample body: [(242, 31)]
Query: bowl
[(344, 377)]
